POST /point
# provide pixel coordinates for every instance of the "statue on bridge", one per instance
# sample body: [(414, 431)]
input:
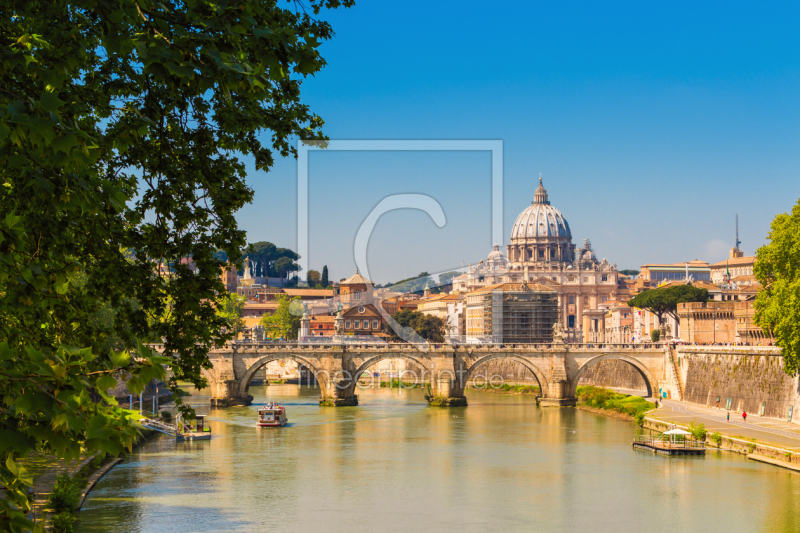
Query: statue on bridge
[(558, 332)]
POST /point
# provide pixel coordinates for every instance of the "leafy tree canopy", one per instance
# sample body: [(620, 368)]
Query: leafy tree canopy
[(230, 307), (447, 277), (777, 268), (629, 272), (285, 321), (324, 279), (430, 328), (121, 122), (415, 284), (665, 300), (313, 277)]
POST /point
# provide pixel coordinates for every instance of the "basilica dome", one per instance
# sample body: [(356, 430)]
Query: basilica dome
[(540, 219), (541, 234)]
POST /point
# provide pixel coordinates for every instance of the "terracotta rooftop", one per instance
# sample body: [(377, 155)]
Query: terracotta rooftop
[(255, 305), (356, 279), (736, 261), (309, 292)]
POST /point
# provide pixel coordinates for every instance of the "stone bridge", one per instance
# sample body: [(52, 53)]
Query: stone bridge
[(447, 368)]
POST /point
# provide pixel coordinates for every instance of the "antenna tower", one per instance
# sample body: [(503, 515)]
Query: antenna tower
[(738, 242)]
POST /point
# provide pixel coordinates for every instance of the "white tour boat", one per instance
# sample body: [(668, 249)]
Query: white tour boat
[(271, 417)]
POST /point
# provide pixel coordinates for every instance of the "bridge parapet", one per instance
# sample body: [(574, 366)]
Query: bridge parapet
[(737, 350)]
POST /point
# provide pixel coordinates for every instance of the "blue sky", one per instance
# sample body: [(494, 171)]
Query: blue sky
[(653, 125)]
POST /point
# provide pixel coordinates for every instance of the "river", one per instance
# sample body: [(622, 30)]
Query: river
[(395, 464)]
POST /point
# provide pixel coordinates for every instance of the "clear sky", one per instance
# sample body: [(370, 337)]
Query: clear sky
[(652, 124)]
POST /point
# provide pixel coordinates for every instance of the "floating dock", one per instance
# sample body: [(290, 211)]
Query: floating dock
[(666, 446)]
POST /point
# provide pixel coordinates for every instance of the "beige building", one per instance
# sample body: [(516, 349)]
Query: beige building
[(541, 252), (437, 305), (737, 269), (511, 313), (747, 332), (707, 322), (658, 273)]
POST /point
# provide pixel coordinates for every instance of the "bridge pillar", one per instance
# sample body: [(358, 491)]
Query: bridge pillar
[(447, 382), (337, 382), (559, 395), (559, 392), (225, 386)]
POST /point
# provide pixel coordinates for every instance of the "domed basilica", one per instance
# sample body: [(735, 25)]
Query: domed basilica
[(541, 251)]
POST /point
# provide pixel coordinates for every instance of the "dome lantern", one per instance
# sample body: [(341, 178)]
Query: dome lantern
[(540, 195)]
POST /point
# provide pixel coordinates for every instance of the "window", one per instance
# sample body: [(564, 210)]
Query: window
[(586, 300), (357, 295), (572, 299), (605, 298), (605, 277), (374, 324), (357, 324), (347, 324), (570, 278), (360, 309)]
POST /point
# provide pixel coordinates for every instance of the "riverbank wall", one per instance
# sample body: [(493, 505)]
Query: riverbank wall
[(743, 379), (733, 444)]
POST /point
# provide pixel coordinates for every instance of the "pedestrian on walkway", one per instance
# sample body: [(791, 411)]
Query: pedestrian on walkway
[(729, 416), (744, 415)]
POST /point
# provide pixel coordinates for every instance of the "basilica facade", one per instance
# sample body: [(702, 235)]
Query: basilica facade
[(541, 252)]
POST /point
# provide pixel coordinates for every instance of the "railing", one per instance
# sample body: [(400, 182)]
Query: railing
[(678, 442), (160, 426), (404, 346)]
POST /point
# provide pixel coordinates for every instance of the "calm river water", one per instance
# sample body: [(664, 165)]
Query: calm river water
[(394, 464)]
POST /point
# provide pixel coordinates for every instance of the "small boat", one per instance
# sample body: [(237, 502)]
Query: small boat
[(271, 417)]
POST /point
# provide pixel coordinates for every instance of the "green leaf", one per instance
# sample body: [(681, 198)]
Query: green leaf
[(50, 102), (64, 143), (6, 353), (106, 382), (120, 359)]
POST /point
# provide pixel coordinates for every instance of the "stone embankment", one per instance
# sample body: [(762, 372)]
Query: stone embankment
[(752, 448)]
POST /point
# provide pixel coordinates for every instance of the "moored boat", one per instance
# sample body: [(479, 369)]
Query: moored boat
[(271, 417)]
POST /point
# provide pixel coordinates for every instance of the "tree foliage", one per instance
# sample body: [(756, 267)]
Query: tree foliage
[(230, 307), (415, 284), (665, 300), (313, 277), (121, 122), (285, 321), (430, 328), (284, 266), (324, 280), (447, 277), (777, 268)]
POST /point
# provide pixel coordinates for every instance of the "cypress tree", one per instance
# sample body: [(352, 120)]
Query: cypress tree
[(324, 279)]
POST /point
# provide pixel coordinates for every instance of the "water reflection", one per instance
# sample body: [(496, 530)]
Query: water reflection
[(394, 464)]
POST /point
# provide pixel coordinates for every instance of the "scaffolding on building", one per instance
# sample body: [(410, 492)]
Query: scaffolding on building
[(518, 313)]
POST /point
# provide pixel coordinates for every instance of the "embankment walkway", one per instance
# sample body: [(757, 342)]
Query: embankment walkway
[(765, 430)]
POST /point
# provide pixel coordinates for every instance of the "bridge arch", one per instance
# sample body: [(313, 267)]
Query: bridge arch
[(244, 382), (544, 386), (208, 375), (380, 357), (641, 368)]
